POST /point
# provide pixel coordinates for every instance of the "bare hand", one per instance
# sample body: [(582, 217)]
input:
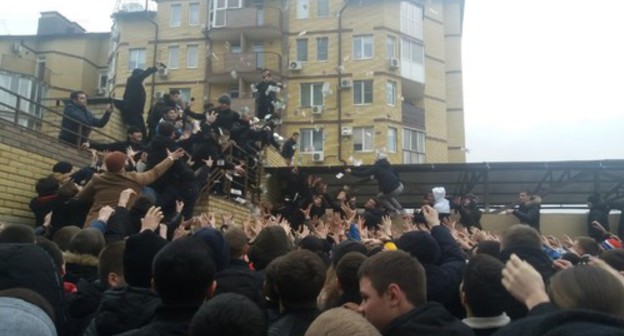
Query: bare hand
[(105, 213), (124, 197), (178, 153), (431, 215), (152, 219), (524, 283), (209, 162), (179, 206)]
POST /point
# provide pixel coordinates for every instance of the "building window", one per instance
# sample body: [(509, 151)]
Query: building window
[(102, 80), (136, 59), (302, 50), (174, 57), (193, 15), (303, 11), (234, 92), (175, 16), (413, 146), (412, 52), (363, 139), (392, 140), (185, 93), (411, 19), (363, 47), (311, 140), (363, 92), (311, 94), (192, 56), (322, 8), (390, 46), (391, 93), (322, 46), (219, 11)]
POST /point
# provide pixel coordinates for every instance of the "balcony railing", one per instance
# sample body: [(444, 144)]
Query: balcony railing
[(228, 67)]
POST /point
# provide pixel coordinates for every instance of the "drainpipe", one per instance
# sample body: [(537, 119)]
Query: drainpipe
[(339, 91), (155, 54)]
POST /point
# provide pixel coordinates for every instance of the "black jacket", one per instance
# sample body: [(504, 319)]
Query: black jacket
[(386, 176), (73, 117), (239, 278), (289, 148), (225, 119), (293, 322), (566, 322), (119, 146), (29, 266), (168, 320), (529, 212), (470, 216), (84, 303), (123, 309), (178, 173), (429, 319), (600, 213), (134, 95)]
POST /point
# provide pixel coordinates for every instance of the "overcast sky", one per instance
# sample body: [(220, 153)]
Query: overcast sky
[(541, 78)]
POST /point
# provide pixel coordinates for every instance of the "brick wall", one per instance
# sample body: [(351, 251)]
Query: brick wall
[(221, 205), (26, 156)]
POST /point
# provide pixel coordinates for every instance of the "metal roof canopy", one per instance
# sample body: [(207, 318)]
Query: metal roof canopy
[(562, 184)]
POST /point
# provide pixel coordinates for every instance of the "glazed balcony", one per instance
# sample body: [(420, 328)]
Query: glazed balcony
[(254, 23)]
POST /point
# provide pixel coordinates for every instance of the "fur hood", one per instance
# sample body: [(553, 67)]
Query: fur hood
[(535, 200), (80, 259)]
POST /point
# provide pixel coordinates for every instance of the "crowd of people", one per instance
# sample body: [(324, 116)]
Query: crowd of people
[(116, 247)]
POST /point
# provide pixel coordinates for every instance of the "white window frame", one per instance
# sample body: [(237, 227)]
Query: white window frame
[(391, 93), (360, 86), (391, 46), (185, 93), (175, 15), (102, 74), (311, 134), (408, 151), (302, 9), (411, 19), (363, 41), (136, 56), (361, 134), (298, 56), (391, 141), (189, 49), (193, 13), (173, 54), (318, 49), (310, 89), (217, 10), (318, 8)]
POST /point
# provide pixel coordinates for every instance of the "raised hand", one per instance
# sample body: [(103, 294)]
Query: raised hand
[(178, 153), (124, 197), (524, 283), (152, 219)]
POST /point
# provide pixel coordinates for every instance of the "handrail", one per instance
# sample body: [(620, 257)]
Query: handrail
[(19, 112)]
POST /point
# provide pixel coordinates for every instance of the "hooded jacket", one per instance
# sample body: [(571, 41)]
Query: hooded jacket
[(529, 212), (429, 319), (386, 176), (74, 117), (80, 266), (441, 203)]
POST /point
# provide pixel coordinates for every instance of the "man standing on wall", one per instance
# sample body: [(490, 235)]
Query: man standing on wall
[(78, 121), (528, 211), (266, 95)]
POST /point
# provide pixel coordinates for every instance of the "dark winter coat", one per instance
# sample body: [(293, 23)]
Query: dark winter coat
[(80, 266), (123, 309), (529, 212), (600, 213), (119, 146), (293, 322), (289, 148), (73, 117), (239, 278), (566, 322), (225, 119), (470, 216), (429, 319), (169, 320), (134, 95), (84, 303), (386, 176)]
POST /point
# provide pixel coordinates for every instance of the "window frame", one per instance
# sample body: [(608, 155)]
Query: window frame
[(391, 39), (363, 38), (297, 50), (363, 131), (190, 13), (142, 52), (311, 132), (409, 23), (190, 47), (169, 50), (394, 141), (361, 85), (318, 8), (394, 86), (302, 4), (178, 7), (419, 154), (326, 39), (311, 89)]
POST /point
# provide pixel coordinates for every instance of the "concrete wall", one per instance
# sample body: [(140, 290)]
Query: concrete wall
[(551, 224)]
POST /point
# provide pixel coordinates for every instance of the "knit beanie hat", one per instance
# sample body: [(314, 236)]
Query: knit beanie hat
[(270, 243), (217, 243), (420, 245), (138, 256), (115, 162), (345, 247)]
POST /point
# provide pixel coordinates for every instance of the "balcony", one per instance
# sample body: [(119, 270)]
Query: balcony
[(23, 66), (412, 116), (228, 68), (255, 23)]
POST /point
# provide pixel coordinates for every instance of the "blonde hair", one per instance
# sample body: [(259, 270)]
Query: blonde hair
[(341, 322)]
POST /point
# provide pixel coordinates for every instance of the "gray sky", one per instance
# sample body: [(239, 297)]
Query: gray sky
[(540, 77)]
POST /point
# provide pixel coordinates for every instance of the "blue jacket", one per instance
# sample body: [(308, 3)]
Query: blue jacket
[(73, 117)]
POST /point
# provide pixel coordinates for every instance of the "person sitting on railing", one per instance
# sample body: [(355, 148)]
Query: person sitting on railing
[(78, 121), (171, 115), (134, 141)]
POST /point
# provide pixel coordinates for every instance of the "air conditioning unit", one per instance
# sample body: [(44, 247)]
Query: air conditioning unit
[(317, 109), (393, 63), (100, 91), (295, 65), (163, 72), (318, 157), (17, 48), (346, 131), (346, 83)]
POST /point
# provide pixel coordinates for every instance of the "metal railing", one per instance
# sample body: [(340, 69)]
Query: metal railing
[(19, 117)]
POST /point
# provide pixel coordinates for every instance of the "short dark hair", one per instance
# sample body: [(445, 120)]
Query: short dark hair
[(521, 235), (299, 278), (184, 271), (53, 250), (166, 128), (615, 258), (228, 314), (237, 240), (296, 133), (396, 267), (489, 247), (64, 235), (589, 245), (74, 95), (483, 287), (347, 273), (133, 129), (47, 186), (87, 241), (18, 234), (111, 260)]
